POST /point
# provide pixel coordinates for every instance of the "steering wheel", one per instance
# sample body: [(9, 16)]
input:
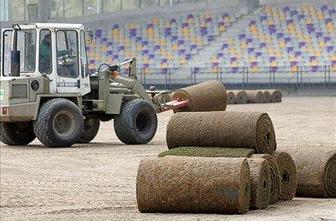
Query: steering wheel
[(66, 59)]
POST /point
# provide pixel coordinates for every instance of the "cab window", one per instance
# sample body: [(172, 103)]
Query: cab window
[(67, 54), (45, 51), (26, 44), (84, 61)]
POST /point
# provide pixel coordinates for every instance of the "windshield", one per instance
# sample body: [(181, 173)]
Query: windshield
[(27, 47)]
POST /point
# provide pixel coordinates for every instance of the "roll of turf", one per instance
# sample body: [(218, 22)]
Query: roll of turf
[(260, 171), (206, 96), (255, 96), (316, 169), (229, 129), (288, 175), (241, 96), (267, 96), (275, 178), (231, 97), (165, 98), (260, 183), (171, 96), (208, 152), (276, 96), (193, 185)]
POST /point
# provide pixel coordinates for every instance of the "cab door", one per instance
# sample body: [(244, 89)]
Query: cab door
[(84, 67), (68, 78)]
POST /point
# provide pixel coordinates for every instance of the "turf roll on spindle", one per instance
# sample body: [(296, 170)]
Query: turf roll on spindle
[(231, 97), (165, 98), (275, 178), (193, 185), (208, 152), (276, 96), (229, 129), (260, 183), (206, 96), (316, 168), (241, 96), (255, 96), (267, 96), (288, 175)]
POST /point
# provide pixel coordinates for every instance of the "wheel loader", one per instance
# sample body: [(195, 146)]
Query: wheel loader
[(47, 92)]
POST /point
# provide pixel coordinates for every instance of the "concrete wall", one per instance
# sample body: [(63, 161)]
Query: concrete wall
[(136, 14), (241, 6)]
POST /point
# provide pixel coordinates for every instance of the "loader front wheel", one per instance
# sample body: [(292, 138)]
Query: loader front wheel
[(137, 122), (17, 134), (59, 124), (91, 127)]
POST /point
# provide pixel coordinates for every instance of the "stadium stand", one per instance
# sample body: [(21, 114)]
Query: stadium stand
[(159, 42), (245, 43), (268, 38), (278, 37)]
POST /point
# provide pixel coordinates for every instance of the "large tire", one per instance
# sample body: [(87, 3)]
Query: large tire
[(59, 124), (17, 134), (91, 127), (137, 122)]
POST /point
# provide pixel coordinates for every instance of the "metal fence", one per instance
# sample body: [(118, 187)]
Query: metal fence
[(245, 77)]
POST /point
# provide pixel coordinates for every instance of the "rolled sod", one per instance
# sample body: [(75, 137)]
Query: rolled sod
[(229, 129), (193, 185), (260, 183), (274, 184), (316, 168), (241, 96), (276, 96), (288, 175), (267, 96), (275, 178), (208, 152), (260, 171), (255, 96), (231, 97), (206, 96), (168, 97), (165, 98), (171, 95)]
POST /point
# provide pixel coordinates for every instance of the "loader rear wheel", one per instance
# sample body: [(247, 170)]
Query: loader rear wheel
[(137, 122), (91, 127), (59, 124), (17, 134)]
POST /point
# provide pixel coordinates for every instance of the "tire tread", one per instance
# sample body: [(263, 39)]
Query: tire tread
[(123, 123), (41, 125)]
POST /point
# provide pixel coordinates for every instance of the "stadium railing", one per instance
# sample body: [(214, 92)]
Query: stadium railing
[(322, 76)]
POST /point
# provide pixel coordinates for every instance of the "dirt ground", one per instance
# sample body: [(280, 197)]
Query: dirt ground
[(97, 181)]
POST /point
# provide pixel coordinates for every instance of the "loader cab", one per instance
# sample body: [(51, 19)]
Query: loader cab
[(56, 51)]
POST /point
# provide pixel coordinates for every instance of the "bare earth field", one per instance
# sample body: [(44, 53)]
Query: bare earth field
[(97, 181)]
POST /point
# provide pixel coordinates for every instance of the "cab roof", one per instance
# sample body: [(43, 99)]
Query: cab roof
[(51, 25), (58, 25)]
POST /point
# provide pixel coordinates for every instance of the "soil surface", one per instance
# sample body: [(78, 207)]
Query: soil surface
[(97, 181)]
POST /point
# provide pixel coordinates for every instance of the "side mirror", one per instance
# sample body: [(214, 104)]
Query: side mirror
[(90, 36)]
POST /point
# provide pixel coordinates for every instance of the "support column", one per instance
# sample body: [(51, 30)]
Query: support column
[(43, 10)]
